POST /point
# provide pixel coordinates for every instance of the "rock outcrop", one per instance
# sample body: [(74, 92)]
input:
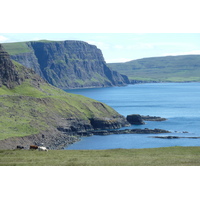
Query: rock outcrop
[(8, 76), (67, 64), (126, 131), (135, 119), (13, 74), (108, 123), (153, 118)]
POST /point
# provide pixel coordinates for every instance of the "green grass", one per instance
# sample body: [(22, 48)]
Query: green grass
[(161, 69), (20, 47), (16, 48), (27, 110), (170, 156)]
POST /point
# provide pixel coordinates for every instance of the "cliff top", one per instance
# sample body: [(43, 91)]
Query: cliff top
[(14, 48)]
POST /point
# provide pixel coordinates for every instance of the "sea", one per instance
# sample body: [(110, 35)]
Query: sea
[(178, 102)]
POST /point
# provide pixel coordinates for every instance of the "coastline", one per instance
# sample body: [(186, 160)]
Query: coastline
[(59, 140)]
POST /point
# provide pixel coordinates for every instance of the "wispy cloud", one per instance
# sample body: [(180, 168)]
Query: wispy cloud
[(119, 47), (100, 45), (194, 52), (150, 45), (3, 39), (118, 60)]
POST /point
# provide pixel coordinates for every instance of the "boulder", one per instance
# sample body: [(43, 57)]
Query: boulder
[(135, 119)]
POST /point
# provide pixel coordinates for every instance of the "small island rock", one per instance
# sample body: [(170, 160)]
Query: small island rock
[(135, 119)]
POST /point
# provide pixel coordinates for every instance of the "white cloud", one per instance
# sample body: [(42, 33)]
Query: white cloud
[(3, 39), (154, 45), (118, 60), (119, 47), (194, 52), (100, 45)]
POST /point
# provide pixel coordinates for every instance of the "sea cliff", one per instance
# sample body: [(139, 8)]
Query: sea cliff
[(66, 64)]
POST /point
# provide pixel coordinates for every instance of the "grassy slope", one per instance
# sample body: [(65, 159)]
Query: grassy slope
[(16, 48), (19, 47), (171, 156), (167, 69), (28, 110)]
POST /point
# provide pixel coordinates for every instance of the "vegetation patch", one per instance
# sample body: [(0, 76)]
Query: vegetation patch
[(16, 48), (170, 156), (29, 110), (161, 69)]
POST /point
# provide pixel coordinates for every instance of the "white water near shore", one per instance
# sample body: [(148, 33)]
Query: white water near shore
[(178, 102)]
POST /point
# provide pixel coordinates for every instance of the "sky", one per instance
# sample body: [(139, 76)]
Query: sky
[(122, 47), (124, 30)]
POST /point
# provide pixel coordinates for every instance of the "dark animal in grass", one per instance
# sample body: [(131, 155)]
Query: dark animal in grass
[(20, 147), (34, 147)]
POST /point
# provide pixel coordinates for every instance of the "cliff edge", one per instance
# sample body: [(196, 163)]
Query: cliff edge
[(66, 64)]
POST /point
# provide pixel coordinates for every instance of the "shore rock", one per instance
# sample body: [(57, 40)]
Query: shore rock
[(109, 123), (135, 119), (126, 131), (152, 118), (174, 137)]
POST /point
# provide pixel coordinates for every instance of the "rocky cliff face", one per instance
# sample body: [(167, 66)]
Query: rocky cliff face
[(12, 75), (8, 76), (29, 60), (69, 64)]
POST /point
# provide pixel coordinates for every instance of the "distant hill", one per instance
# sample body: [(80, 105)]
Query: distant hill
[(66, 64), (34, 112), (161, 69)]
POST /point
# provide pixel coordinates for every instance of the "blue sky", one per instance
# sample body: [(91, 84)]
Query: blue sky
[(123, 30), (122, 47)]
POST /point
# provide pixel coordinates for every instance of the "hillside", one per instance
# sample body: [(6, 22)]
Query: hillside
[(33, 111), (66, 64), (161, 69)]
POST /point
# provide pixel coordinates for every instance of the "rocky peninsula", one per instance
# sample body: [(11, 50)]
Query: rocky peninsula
[(35, 112), (136, 119)]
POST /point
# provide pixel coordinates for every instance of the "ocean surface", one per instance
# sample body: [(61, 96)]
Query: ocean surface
[(178, 102)]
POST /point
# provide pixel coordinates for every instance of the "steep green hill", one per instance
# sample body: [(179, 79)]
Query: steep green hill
[(38, 112), (66, 64), (161, 69)]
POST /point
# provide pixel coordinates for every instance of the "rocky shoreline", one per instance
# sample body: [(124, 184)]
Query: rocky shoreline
[(59, 140), (51, 140), (71, 130), (174, 137), (125, 131), (67, 132)]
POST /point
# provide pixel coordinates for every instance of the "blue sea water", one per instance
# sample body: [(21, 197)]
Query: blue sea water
[(178, 102)]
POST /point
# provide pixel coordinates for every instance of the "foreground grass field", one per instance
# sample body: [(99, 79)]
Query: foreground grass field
[(170, 156)]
